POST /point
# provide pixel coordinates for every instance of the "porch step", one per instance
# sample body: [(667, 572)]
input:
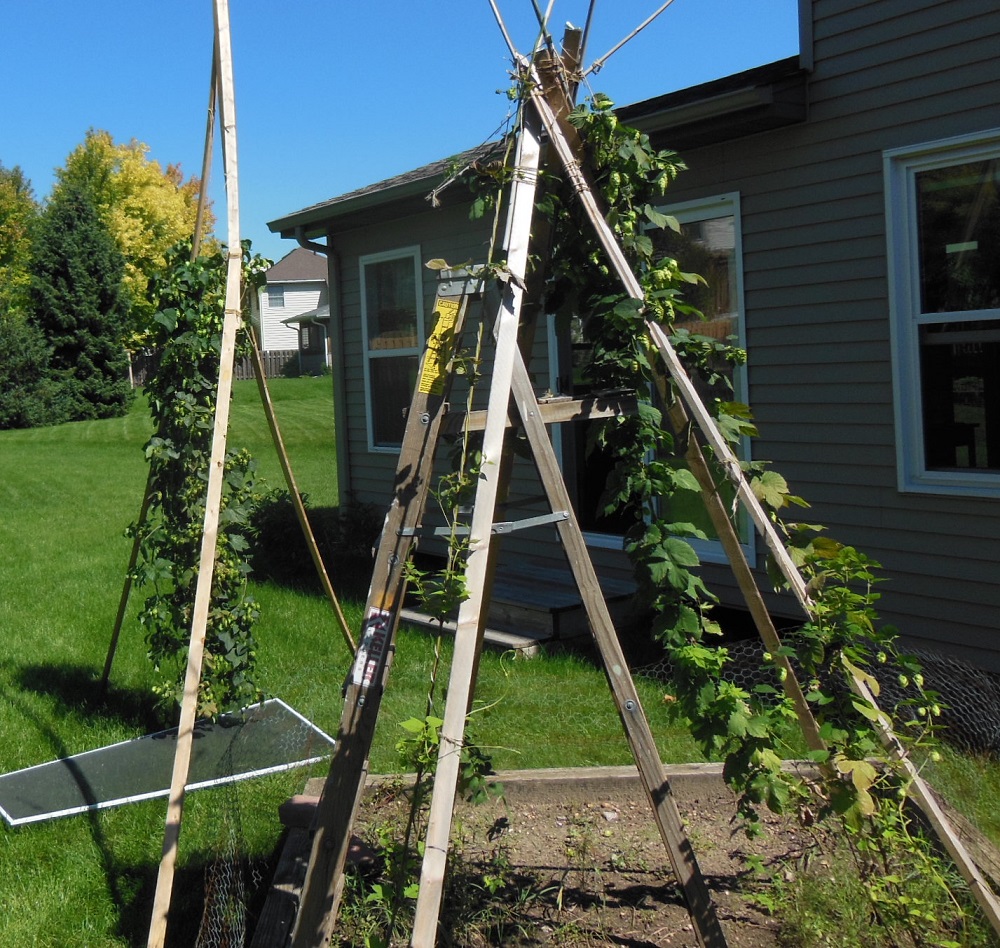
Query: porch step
[(533, 603)]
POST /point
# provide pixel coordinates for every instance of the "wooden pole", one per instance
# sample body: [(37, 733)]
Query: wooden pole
[(206, 161), (651, 771), (203, 591), (340, 799), (293, 490), (464, 658), (127, 588)]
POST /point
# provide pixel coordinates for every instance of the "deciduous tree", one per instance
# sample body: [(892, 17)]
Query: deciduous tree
[(147, 209), (18, 210)]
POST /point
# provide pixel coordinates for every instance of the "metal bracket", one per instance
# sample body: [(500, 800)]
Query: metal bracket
[(459, 281), (504, 526)]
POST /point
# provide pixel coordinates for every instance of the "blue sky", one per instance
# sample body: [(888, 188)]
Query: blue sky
[(330, 95)]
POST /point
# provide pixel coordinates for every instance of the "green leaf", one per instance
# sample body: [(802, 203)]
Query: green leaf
[(659, 219), (771, 489)]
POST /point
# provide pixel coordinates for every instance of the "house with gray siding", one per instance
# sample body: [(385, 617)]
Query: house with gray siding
[(844, 206)]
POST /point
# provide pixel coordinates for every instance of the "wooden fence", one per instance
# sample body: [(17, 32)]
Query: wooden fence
[(277, 363)]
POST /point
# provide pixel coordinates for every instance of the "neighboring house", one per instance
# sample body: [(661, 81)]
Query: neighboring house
[(295, 311), (845, 206)]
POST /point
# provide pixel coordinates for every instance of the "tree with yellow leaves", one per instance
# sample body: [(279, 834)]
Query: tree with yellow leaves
[(146, 209)]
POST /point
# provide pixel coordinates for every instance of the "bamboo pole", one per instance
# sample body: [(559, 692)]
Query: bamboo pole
[(203, 591), (293, 490)]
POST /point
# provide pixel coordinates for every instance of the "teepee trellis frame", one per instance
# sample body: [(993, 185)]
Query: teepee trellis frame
[(511, 395), (510, 378), (727, 461)]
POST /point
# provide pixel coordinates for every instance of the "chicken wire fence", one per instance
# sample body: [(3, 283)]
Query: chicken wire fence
[(969, 697), (233, 877)]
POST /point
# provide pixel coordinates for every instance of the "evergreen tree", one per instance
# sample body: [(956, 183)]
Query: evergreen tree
[(80, 305), (29, 397), (146, 209)]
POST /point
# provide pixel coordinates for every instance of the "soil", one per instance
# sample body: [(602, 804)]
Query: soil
[(578, 861)]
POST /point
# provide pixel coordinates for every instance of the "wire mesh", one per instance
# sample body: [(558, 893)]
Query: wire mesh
[(233, 878), (969, 697)]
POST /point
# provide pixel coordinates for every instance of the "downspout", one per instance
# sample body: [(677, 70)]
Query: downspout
[(337, 356)]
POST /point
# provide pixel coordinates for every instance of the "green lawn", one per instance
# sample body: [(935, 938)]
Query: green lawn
[(66, 495)]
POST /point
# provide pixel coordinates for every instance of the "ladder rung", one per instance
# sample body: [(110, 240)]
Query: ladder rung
[(559, 409), (503, 526)]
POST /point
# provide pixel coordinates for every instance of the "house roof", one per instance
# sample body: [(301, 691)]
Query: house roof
[(407, 193), (299, 266), (744, 103), (741, 104)]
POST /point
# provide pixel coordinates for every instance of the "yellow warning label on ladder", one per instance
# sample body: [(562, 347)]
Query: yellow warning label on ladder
[(432, 378)]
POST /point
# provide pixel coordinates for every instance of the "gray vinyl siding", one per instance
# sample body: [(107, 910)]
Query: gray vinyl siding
[(888, 73), (445, 233)]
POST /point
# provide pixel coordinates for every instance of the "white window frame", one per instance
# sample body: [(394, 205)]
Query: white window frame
[(275, 296), (900, 167), (413, 252)]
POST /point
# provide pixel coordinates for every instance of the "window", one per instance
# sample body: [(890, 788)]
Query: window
[(275, 297), (709, 245), (392, 321), (305, 336), (943, 227)]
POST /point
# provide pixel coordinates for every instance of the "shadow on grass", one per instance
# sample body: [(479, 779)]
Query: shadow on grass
[(344, 537), (77, 691), (236, 901)]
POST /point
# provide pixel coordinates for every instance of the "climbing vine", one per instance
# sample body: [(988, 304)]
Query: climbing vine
[(189, 299), (750, 729)]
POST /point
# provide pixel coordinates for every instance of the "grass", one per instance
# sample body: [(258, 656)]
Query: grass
[(66, 495)]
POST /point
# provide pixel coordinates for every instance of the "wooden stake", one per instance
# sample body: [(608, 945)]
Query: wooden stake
[(470, 614), (654, 778), (203, 591), (293, 491), (366, 682)]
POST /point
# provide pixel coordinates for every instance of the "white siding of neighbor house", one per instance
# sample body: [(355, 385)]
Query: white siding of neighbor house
[(888, 73), (299, 298)]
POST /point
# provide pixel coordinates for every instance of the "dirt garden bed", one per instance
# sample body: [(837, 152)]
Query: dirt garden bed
[(575, 858)]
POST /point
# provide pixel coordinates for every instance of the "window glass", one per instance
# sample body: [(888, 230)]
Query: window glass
[(391, 304), (708, 245), (276, 297), (958, 224), (392, 320), (392, 384), (944, 239), (959, 367)]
